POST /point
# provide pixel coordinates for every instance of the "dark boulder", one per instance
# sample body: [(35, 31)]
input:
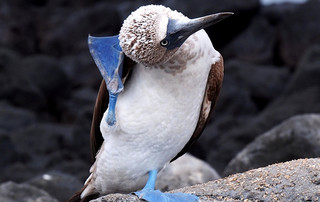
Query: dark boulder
[(297, 137)]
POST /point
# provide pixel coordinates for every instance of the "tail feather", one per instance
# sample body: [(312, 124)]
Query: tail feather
[(77, 196)]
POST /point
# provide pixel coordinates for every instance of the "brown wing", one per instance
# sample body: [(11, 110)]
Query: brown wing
[(209, 101), (101, 106)]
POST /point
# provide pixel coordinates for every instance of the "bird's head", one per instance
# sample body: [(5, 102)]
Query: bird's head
[(152, 34)]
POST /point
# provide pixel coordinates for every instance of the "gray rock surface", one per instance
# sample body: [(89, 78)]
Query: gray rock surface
[(13, 192), (297, 137), (185, 171), (297, 180)]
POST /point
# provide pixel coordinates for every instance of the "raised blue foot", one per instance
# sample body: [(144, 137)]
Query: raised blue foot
[(108, 56), (148, 193)]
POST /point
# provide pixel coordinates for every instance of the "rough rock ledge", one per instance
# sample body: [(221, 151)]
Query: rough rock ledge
[(297, 180)]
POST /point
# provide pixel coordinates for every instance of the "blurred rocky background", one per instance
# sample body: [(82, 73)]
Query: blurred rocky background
[(48, 85)]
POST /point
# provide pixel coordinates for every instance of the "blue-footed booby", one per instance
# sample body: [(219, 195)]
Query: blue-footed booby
[(157, 108)]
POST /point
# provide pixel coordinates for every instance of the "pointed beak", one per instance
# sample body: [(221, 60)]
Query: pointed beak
[(179, 30)]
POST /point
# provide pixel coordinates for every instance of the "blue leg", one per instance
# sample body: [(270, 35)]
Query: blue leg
[(111, 117), (108, 56), (148, 193)]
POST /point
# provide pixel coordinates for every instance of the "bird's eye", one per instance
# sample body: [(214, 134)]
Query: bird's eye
[(164, 43)]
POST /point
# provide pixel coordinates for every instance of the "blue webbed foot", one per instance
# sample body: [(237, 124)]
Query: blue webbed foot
[(108, 56), (158, 196), (148, 193)]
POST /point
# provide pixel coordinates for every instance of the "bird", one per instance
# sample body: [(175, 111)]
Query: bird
[(149, 114)]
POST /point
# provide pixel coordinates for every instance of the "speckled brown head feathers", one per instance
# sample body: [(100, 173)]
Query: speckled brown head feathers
[(142, 31)]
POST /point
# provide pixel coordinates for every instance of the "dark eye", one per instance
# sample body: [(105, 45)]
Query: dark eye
[(164, 43)]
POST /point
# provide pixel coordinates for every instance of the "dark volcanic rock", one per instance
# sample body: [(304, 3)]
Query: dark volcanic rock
[(22, 172), (254, 45), (7, 150), (12, 192), (18, 27), (275, 13), (82, 70), (21, 93), (301, 95), (291, 181), (42, 138), (298, 31), (234, 99), (7, 57), (12, 118), (254, 78), (42, 145), (80, 134), (18, 91), (298, 137), (69, 32), (36, 82), (45, 72), (81, 99), (75, 167), (308, 72), (57, 184)]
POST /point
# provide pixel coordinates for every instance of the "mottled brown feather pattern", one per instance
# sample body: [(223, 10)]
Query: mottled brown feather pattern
[(210, 98)]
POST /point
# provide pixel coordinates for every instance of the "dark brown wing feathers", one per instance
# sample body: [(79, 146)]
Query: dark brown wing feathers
[(100, 107), (209, 101)]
